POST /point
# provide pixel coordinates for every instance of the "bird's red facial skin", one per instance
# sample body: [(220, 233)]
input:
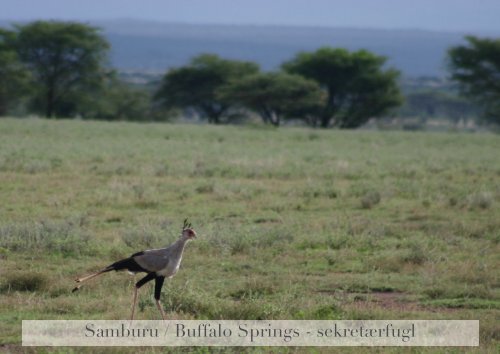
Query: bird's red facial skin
[(190, 233)]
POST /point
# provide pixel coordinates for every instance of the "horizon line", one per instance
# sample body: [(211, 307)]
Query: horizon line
[(263, 25)]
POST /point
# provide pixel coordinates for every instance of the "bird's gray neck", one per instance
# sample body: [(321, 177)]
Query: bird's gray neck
[(180, 244)]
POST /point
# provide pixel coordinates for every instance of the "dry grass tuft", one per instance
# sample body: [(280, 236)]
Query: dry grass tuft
[(370, 199), (23, 281), (480, 200)]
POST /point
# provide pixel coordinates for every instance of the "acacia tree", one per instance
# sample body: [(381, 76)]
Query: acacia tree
[(117, 100), (65, 59), (13, 77), (275, 96), (357, 86), (195, 85), (476, 68)]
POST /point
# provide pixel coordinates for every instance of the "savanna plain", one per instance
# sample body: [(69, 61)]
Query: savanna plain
[(292, 223)]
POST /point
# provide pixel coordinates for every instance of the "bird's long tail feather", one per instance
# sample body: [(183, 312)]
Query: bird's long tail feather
[(90, 276), (125, 264)]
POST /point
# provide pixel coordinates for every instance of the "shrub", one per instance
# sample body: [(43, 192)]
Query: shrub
[(205, 189), (481, 200), (370, 199), (415, 255)]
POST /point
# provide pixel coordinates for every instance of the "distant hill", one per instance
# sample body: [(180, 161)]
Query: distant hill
[(154, 47)]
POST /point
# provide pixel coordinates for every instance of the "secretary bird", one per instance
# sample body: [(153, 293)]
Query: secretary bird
[(157, 263)]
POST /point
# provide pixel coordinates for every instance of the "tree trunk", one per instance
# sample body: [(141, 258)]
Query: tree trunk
[(3, 107), (325, 121), (213, 114), (50, 103), (265, 115), (275, 119), (49, 109)]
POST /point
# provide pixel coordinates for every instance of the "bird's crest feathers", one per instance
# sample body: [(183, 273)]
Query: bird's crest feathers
[(186, 225)]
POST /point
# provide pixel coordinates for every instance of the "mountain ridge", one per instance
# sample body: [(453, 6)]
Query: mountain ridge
[(157, 46), (153, 46)]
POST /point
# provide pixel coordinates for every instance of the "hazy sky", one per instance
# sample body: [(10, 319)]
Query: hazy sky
[(447, 15)]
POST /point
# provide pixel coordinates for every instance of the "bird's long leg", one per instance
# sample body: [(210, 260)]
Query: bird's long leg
[(163, 316), (158, 284), (140, 283), (134, 303)]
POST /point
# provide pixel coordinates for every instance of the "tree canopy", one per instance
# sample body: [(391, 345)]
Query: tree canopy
[(13, 77), (357, 86), (117, 100), (65, 59), (275, 95), (195, 85), (476, 68)]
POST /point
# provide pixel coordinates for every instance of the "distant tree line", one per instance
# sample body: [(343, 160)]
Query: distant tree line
[(61, 69), (325, 88), (426, 104)]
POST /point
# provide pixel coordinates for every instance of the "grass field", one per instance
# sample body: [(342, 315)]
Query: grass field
[(293, 223)]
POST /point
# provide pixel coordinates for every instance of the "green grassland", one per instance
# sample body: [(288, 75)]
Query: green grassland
[(293, 223)]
